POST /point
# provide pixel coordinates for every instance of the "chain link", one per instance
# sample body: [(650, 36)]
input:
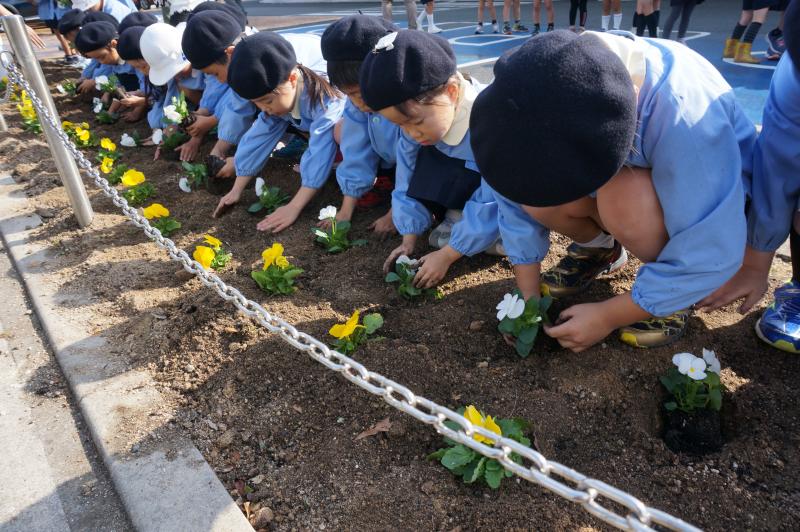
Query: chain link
[(553, 476)]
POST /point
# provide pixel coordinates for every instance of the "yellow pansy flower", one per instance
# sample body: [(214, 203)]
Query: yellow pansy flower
[(156, 210), (204, 255), (281, 262), (106, 165), (131, 178), (271, 255), (66, 124), (82, 134), (475, 417), (107, 144), (213, 242), (85, 125), (343, 330)]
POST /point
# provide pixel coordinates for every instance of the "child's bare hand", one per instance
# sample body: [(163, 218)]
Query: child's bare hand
[(226, 202), (580, 327), (133, 101), (748, 283), (384, 226), (202, 125), (402, 249), (228, 170), (279, 220), (433, 268), (86, 86), (189, 149)]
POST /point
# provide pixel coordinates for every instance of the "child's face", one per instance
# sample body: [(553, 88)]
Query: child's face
[(354, 93), (220, 71), (280, 101), (106, 55), (70, 36), (426, 123), (140, 65)]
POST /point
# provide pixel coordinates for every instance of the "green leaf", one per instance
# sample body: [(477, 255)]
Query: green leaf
[(511, 428), (457, 456), (506, 326), (667, 382), (255, 207), (372, 322), (360, 242), (528, 335), (392, 277), (522, 348), (437, 455), (670, 406), (342, 227), (474, 470), (715, 399), (493, 474)]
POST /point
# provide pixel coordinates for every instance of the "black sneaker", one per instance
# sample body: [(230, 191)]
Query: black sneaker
[(550, 27), (655, 332), (575, 272), (536, 29)]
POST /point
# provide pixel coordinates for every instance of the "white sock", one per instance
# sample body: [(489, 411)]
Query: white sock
[(430, 19), (604, 21), (617, 20), (603, 240)]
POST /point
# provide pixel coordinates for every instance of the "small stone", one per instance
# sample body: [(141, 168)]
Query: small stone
[(183, 276), (246, 435), (135, 448), (188, 368), (225, 441), (45, 213), (476, 325), (211, 424), (231, 330), (340, 420), (427, 488), (264, 516), (258, 479), (483, 364)]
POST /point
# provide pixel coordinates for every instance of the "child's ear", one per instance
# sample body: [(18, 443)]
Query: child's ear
[(293, 78), (113, 44), (453, 90), (229, 51)]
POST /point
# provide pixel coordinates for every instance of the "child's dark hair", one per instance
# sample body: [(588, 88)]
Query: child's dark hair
[(318, 87), (344, 73), (427, 97), (177, 18)]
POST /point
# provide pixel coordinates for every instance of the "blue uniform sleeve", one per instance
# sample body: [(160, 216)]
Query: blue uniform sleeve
[(776, 163), (697, 174), (317, 161), (356, 173), (90, 69), (257, 144), (409, 215), (478, 228), (213, 92), (525, 240), (156, 112), (236, 117)]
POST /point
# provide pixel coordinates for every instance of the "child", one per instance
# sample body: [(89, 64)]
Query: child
[(774, 200), (136, 103), (775, 42), (653, 160), (208, 42), (646, 17), (411, 79), (537, 15), (368, 140), (278, 77), (427, 12), (740, 44), (508, 7), (574, 6), (610, 6), (492, 13), (118, 9), (411, 12), (50, 12), (68, 26), (682, 8), (98, 40)]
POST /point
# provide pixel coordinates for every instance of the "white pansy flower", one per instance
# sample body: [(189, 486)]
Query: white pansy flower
[(184, 185), (512, 306), (690, 365), (127, 141), (98, 105), (171, 114), (405, 259), (60, 88), (101, 80), (682, 359), (158, 135), (327, 213), (711, 359), (260, 186)]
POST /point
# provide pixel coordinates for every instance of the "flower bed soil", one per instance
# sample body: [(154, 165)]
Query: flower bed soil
[(279, 429)]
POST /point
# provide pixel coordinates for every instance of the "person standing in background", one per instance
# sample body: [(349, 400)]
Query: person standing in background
[(508, 7), (609, 7), (537, 12), (682, 8), (411, 12), (740, 44), (427, 12)]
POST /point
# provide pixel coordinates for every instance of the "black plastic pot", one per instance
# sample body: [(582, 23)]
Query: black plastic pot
[(217, 185)]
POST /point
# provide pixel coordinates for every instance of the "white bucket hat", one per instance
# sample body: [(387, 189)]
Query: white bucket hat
[(83, 5), (161, 48)]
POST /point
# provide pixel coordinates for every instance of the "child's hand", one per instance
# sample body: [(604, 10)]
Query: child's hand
[(279, 220), (405, 248), (134, 115), (434, 266), (86, 86), (189, 149), (202, 125), (384, 226), (580, 327), (750, 283), (226, 202), (132, 100), (228, 170)]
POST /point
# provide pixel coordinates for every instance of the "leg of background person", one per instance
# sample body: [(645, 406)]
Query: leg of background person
[(744, 49), (411, 14), (674, 13), (551, 13), (686, 16), (584, 13), (616, 8), (386, 9), (573, 13), (605, 17)]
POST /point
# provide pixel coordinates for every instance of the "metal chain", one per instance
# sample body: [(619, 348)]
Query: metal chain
[(559, 479)]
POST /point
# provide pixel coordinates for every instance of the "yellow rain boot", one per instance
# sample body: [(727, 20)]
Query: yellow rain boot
[(743, 54), (730, 48)]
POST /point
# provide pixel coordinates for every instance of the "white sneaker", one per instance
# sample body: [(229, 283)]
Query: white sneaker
[(496, 249), (495, 28), (433, 28), (440, 235), (479, 29)]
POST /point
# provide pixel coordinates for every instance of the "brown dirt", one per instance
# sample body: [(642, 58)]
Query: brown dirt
[(262, 413)]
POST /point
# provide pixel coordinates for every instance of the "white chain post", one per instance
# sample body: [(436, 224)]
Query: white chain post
[(553, 476)]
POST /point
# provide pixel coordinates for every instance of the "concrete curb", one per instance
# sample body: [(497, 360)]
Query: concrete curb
[(162, 490)]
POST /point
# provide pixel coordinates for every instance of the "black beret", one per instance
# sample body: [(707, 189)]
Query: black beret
[(557, 122), (352, 38), (128, 44), (260, 63), (791, 32), (99, 16), (231, 9), (95, 35), (411, 64), (70, 21), (137, 18), (206, 36)]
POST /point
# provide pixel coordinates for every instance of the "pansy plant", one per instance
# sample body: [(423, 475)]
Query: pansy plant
[(212, 255), (522, 319), (106, 83), (108, 150), (351, 334), (276, 275), (196, 174), (334, 239), (404, 271), (472, 466), (693, 383), (269, 198), (177, 111), (30, 120), (137, 188), (130, 141), (69, 86), (160, 219), (79, 133)]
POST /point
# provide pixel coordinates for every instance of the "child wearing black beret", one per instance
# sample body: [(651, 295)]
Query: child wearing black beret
[(278, 76), (368, 140), (411, 79), (69, 25), (98, 40), (637, 144)]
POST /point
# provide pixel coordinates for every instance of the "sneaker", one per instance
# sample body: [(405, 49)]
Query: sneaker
[(479, 29), (433, 28), (655, 332), (521, 27), (495, 28), (775, 43), (70, 59), (507, 29), (380, 194), (550, 27), (536, 29), (779, 326), (293, 150), (440, 235), (576, 271)]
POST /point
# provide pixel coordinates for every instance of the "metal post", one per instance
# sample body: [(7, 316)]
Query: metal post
[(14, 26)]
